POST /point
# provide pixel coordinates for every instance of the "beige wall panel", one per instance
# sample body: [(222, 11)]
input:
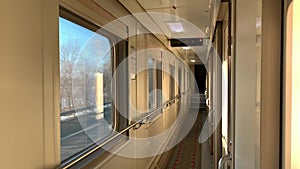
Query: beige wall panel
[(270, 84), (245, 97), (51, 84), (171, 116), (21, 87), (155, 128), (117, 161)]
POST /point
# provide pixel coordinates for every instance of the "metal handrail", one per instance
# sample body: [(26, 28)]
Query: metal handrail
[(223, 160), (139, 122)]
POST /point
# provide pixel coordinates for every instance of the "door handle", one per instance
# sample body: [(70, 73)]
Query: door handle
[(223, 160), (208, 102)]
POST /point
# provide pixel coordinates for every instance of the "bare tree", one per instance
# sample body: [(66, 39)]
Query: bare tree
[(78, 68), (69, 54)]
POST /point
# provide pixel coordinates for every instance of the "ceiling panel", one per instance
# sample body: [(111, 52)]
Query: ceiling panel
[(194, 14), (190, 30), (170, 3), (193, 11)]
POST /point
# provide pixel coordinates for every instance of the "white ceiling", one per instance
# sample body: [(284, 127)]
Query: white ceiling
[(194, 14), (192, 11)]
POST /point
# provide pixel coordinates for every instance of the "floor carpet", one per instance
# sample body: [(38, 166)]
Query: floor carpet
[(187, 154)]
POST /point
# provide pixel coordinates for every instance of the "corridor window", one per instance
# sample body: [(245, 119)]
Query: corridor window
[(85, 93), (154, 83), (172, 82), (159, 96), (151, 83), (179, 81)]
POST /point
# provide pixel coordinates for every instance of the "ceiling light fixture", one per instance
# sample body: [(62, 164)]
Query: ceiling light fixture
[(176, 26), (207, 29), (186, 47), (193, 60)]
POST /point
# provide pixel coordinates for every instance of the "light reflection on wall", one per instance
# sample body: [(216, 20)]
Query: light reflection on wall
[(295, 147), (292, 118)]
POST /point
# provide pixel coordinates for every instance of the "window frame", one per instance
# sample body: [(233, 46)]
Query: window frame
[(157, 83), (118, 123)]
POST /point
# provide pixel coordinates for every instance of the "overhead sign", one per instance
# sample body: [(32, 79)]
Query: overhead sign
[(186, 42)]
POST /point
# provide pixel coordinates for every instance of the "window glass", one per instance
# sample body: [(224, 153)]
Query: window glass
[(155, 83), (179, 80), (172, 82), (151, 83), (85, 94), (183, 89), (159, 96)]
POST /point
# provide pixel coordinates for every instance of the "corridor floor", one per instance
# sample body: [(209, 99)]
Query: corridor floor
[(189, 153)]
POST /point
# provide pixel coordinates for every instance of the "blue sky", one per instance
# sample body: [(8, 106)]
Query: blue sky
[(98, 46), (69, 31)]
